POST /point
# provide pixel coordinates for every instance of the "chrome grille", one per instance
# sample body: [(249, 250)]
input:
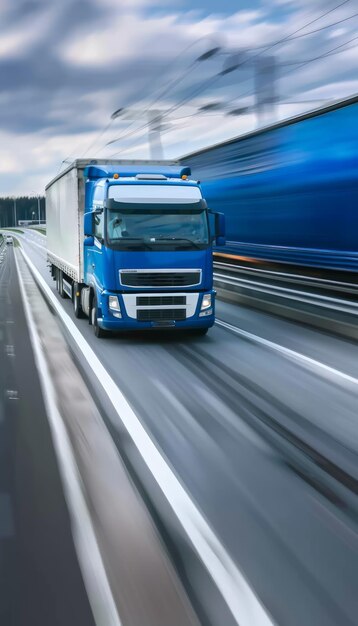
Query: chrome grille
[(159, 278), (154, 315), (160, 300)]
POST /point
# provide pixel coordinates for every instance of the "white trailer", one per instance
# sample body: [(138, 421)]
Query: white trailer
[(64, 216), (65, 200)]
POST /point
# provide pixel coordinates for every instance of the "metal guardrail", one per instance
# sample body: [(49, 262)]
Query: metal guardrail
[(276, 292), (285, 277)]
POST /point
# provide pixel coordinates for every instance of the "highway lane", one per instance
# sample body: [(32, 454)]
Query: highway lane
[(321, 346), (42, 549), (40, 579), (128, 576), (213, 406), (6, 508)]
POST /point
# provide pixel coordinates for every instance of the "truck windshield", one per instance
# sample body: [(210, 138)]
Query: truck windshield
[(157, 227)]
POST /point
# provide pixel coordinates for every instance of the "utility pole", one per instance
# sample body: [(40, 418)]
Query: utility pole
[(38, 198), (155, 127), (265, 89), (154, 135)]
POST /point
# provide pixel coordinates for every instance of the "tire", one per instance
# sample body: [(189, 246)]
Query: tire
[(77, 308), (199, 332), (98, 331), (59, 284)]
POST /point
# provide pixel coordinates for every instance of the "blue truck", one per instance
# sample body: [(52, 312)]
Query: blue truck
[(289, 191), (130, 242)]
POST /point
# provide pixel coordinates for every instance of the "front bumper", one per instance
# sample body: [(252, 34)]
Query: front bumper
[(129, 320)]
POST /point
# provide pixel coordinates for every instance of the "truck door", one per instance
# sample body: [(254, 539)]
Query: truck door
[(94, 254)]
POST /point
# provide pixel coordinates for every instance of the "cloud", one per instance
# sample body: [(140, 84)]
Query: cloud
[(122, 39), (65, 66)]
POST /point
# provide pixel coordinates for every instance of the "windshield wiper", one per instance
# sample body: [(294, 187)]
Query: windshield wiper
[(178, 239), (133, 239)]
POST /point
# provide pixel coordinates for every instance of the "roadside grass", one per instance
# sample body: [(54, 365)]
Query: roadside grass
[(14, 230)]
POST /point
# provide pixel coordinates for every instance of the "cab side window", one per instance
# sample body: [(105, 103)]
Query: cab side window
[(98, 226), (98, 196)]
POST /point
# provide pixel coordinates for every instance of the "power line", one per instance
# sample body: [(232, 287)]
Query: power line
[(167, 86), (290, 38), (317, 30), (303, 63), (214, 79), (172, 120), (172, 108), (284, 39), (310, 32), (175, 81), (329, 53), (287, 37), (98, 138), (163, 93), (166, 68)]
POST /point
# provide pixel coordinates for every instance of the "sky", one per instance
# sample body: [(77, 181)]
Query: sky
[(67, 65)]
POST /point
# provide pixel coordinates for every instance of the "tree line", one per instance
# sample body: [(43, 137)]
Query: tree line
[(23, 208)]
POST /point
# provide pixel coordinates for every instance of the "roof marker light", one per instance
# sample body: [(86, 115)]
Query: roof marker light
[(115, 175), (184, 177)]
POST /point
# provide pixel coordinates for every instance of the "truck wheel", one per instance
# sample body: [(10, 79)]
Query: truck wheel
[(98, 331), (59, 284), (199, 332), (77, 308)]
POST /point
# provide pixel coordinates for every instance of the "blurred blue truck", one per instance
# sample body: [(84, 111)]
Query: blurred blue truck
[(289, 192)]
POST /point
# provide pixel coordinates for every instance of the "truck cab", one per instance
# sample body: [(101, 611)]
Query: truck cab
[(147, 251)]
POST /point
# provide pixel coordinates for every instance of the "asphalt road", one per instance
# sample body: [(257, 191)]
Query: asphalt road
[(264, 441), (40, 580)]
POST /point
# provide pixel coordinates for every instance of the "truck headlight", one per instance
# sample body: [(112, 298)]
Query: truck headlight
[(206, 302), (114, 306)]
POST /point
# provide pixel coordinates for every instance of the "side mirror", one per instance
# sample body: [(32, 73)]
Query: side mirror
[(220, 228), (217, 227), (88, 224)]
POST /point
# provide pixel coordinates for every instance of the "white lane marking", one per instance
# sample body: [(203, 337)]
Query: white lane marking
[(241, 600), (10, 350), (291, 354), (12, 394), (88, 553)]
